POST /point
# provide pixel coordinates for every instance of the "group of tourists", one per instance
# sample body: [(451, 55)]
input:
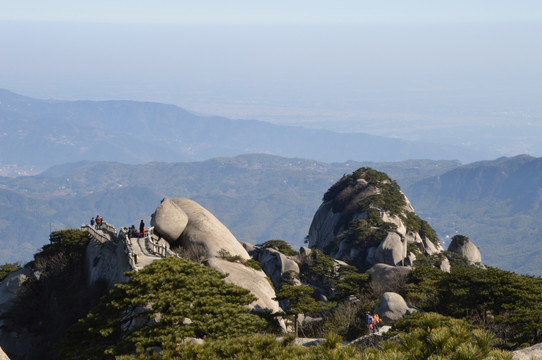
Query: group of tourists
[(132, 231), (373, 322), (98, 221)]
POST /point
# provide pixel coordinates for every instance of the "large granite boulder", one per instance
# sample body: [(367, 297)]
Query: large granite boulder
[(392, 307), (275, 264), (169, 220), (463, 246), (185, 221), (250, 279), (386, 278), (195, 226), (366, 218), (391, 251)]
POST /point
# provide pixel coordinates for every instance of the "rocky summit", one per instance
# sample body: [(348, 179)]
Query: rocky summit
[(366, 219)]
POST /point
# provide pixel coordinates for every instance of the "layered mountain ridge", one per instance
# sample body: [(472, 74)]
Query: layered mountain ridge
[(136, 132)]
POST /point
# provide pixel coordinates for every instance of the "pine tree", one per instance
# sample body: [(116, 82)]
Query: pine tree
[(166, 302)]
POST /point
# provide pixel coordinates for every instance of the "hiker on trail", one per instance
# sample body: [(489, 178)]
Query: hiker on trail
[(142, 228), (132, 232), (98, 222), (92, 221), (376, 321), (369, 321)]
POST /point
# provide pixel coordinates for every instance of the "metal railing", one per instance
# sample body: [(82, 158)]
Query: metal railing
[(152, 242), (130, 253), (107, 232), (95, 234)]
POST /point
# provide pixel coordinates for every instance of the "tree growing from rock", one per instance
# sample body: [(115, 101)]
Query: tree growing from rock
[(301, 301)]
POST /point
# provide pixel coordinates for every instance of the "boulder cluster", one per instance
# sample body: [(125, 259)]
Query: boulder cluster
[(185, 223), (364, 220)]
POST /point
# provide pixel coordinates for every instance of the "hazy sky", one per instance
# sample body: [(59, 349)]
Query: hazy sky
[(464, 72), (272, 12)]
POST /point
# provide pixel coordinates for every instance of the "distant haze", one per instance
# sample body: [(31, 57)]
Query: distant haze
[(471, 84)]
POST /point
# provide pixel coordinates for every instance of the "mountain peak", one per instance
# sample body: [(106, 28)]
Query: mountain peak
[(366, 218)]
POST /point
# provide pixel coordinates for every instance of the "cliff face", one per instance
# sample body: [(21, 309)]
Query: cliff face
[(366, 218)]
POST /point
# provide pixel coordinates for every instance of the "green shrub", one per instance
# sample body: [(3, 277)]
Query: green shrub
[(225, 254), (414, 223), (279, 245), (432, 336), (251, 263), (508, 304), (7, 269), (317, 264)]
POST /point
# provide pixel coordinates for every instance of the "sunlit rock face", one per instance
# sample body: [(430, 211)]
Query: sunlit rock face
[(463, 246), (366, 219), (184, 222), (392, 307)]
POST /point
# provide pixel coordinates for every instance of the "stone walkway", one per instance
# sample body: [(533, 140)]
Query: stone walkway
[(142, 253)]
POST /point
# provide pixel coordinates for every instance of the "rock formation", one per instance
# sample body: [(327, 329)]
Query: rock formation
[(366, 218), (392, 307), (531, 353), (106, 262), (13, 343), (3, 355), (463, 246), (251, 279), (275, 264), (385, 278), (186, 223), (10, 286)]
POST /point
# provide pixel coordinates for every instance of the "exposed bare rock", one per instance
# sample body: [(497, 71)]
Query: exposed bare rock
[(392, 307), (199, 227), (251, 279), (193, 340), (169, 220), (445, 265), (106, 261), (531, 353), (195, 226), (432, 249), (275, 264), (463, 246), (304, 251), (391, 251), (322, 229), (3, 355), (251, 249), (14, 343), (386, 278), (10, 286), (366, 218)]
